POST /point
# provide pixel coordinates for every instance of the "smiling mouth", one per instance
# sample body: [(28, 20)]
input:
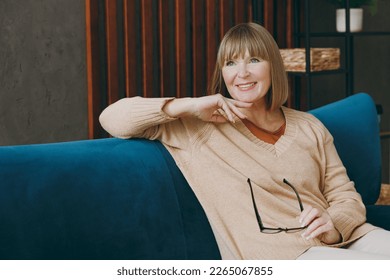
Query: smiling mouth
[(246, 86)]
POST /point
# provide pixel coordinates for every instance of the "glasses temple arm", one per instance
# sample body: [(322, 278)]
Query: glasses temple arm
[(296, 193), (255, 206)]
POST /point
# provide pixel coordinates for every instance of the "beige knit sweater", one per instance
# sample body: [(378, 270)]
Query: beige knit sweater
[(217, 160)]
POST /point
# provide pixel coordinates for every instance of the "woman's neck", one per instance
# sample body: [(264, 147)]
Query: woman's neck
[(261, 117)]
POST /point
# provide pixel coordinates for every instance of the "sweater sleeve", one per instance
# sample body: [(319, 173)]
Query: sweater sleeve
[(345, 204), (135, 117), (139, 117)]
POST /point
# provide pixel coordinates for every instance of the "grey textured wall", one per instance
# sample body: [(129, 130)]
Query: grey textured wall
[(43, 91)]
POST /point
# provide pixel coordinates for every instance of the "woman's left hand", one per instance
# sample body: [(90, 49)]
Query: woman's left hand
[(319, 224)]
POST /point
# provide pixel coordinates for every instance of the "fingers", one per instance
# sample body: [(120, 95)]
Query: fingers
[(218, 118), (217, 108), (236, 111), (225, 107), (231, 107), (319, 224), (317, 227), (307, 215)]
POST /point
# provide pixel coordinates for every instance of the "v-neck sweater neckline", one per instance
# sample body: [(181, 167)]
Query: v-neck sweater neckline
[(282, 144)]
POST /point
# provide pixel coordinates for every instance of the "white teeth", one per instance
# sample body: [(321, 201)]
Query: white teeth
[(246, 86)]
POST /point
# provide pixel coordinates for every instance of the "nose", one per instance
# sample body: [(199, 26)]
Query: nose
[(243, 70)]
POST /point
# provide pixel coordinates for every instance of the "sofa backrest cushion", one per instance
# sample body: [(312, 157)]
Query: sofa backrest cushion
[(98, 199)]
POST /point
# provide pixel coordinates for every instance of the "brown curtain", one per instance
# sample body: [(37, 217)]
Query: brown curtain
[(161, 48)]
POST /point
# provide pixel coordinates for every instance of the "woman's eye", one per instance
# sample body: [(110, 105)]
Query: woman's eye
[(254, 60), (229, 63)]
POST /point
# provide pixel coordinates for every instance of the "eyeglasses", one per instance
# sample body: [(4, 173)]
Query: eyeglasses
[(269, 230)]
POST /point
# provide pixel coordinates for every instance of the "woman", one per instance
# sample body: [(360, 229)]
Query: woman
[(268, 177)]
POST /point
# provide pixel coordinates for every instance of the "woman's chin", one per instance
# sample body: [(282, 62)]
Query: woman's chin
[(246, 97)]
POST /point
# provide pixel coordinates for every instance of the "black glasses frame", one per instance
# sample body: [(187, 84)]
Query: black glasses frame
[(269, 230)]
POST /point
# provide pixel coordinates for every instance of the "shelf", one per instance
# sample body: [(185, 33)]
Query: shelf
[(343, 34), (302, 81), (318, 73), (379, 33)]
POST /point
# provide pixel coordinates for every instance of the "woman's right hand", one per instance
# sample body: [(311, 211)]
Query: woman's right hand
[(211, 108)]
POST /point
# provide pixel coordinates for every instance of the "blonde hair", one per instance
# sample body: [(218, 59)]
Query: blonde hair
[(255, 39)]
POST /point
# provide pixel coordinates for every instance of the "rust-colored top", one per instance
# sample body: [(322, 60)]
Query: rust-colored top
[(270, 137)]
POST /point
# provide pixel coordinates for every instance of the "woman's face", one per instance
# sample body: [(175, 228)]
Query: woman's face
[(247, 78)]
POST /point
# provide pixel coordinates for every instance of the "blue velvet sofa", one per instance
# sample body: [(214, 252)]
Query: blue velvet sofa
[(126, 199)]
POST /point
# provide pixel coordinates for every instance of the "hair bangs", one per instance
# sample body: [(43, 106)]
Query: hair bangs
[(239, 42)]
